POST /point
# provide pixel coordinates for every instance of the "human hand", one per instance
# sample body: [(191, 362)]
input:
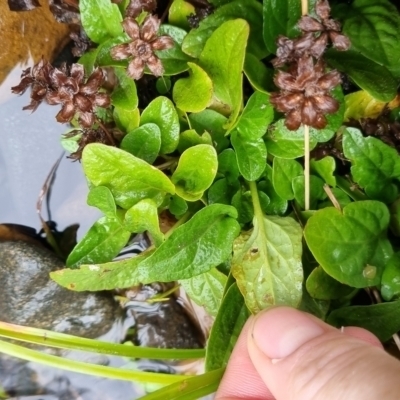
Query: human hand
[(286, 354)]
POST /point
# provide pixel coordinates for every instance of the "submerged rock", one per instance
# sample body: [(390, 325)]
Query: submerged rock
[(29, 297)]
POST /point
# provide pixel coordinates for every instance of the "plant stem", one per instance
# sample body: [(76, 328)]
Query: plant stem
[(63, 341), (190, 388), (86, 368), (332, 197), (178, 223), (304, 7), (306, 167)]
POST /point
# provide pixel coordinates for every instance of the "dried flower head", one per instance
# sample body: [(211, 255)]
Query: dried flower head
[(77, 96), (82, 43), (135, 7), (38, 79), (327, 27), (144, 42), (305, 93)]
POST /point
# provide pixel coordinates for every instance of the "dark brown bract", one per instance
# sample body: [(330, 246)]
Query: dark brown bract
[(144, 42), (304, 96), (76, 96), (65, 86), (135, 7)]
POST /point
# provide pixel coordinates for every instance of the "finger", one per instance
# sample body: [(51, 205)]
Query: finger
[(241, 380), (300, 357)]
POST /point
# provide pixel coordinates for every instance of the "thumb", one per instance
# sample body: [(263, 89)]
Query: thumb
[(300, 357)]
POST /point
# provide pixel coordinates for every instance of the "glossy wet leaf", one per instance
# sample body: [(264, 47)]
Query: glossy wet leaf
[(368, 23), (195, 172), (143, 142), (258, 74), (383, 319), (206, 289), (375, 165), (126, 120), (322, 286), (284, 171), (130, 179), (142, 217), (228, 166), (251, 155), (277, 205), (195, 247), (267, 263), (226, 329), (102, 198), (177, 206), (161, 111), (194, 93), (213, 123), (100, 19), (222, 58), (368, 75), (174, 60), (345, 243), (190, 138), (280, 18), (317, 191), (251, 11), (124, 95), (325, 168), (179, 12), (96, 277), (103, 241), (256, 116), (390, 284), (221, 192)]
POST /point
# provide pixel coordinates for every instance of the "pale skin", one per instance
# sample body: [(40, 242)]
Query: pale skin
[(285, 354)]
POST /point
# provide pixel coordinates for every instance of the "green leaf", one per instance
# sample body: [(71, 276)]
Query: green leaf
[(251, 11), (108, 276), (130, 179), (195, 172), (195, 247), (212, 122), (226, 329), (88, 60), (383, 320), (345, 243), (221, 192), (102, 242), (70, 144), (277, 205), (395, 218), (373, 78), (143, 142), (126, 120), (223, 58), (174, 60), (161, 111), (280, 18), (228, 166), (142, 217), (390, 284), (206, 289), (100, 19), (251, 155), (342, 198), (317, 191), (163, 84), (374, 165), (319, 308), (325, 168), (124, 95), (102, 198), (194, 93), (256, 116), (284, 171), (191, 138), (373, 29), (177, 206), (321, 286), (259, 75), (179, 12), (267, 263), (243, 204)]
